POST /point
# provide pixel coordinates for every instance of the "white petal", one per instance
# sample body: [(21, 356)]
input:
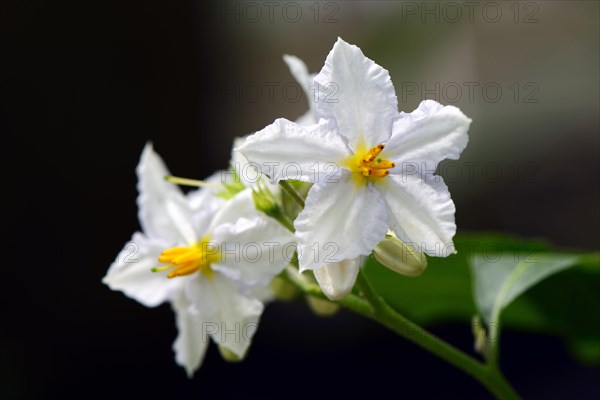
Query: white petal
[(262, 293), (305, 79), (230, 318), (286, 150), (204, 204), (299, 71), (428, 135), (131, 272), (246, 172), (179, 212), (206, 197), (358, 94), (255, 250), (340, 221), (192, 341), (421, 213), (237, 142), (154, 195), (337, 279), (240, 206), (238, 161)]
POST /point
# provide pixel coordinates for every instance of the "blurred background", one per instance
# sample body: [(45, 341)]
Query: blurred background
[(84, 85)]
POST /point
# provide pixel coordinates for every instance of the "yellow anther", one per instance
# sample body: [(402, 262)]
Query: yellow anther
[(165, 259), (175, 251), (380, 173), (383, 164), (188, 260), (184, 269), (366, 171), (373, 153), (191, 256)]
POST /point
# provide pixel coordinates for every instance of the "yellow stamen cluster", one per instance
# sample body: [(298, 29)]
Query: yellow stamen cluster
[(186, 260), (368, 163), (372, 165)]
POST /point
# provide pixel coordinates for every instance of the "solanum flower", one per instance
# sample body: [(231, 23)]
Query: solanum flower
[(371, 166), (203, 254)]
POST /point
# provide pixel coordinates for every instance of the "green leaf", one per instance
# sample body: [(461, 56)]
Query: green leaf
[(499, 280), (559, 304)]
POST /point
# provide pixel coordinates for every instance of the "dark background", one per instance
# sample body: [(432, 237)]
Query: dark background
[(85, 84)]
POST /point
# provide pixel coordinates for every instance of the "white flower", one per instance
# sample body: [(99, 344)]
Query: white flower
[(361, 157), (218, 251)]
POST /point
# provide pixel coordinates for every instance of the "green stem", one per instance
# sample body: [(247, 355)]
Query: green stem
[(289, 189), (489, 376), (493, 344)]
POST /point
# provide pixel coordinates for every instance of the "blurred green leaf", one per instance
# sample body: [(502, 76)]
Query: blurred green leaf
[(499, 280), (557, 305)]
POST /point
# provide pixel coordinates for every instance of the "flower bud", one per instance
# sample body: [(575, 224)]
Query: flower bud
[(282, 289), (399, 257), (337, 279), (322, 308)]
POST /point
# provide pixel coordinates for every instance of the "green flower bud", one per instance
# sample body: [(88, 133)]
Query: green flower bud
[(321, 307), (399, 257)]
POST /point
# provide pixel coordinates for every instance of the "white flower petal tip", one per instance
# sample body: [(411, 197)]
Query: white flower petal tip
[(428, 135), (163, 210), (299, 71), (152, 168), (148, 154), (297, 68), (337, 279), (131, 273), (192, 341), (230, 317), (358, 94)]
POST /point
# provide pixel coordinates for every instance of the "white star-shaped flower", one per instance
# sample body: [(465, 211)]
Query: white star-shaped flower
[(205, 256), (372, 167)]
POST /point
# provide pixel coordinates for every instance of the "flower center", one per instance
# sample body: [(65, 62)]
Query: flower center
[(185, 260), (368, 163)]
